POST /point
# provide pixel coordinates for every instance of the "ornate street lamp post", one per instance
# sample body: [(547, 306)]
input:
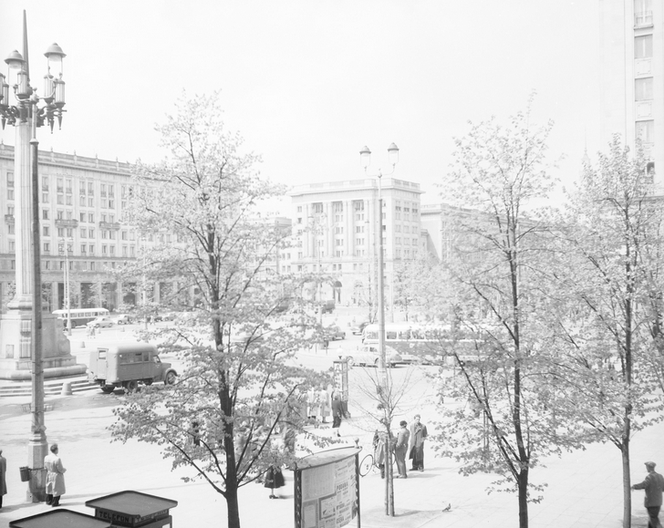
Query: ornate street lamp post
[(26, 111)]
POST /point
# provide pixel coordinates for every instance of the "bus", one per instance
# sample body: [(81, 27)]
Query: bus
[(424, 344), (80, 316)]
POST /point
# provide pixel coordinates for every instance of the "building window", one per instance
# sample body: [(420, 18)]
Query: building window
[(61, 232), (10, 229), (642, 12), (643, 47), (60, 215), (82, 217), (10, 186), (317, 208), (92, 266), (84, 232), (645, 131), (45, 231), (643, 89), (84, 248), (92, 250), (44, 214), (12, 246), (338, 207), (70, 232), (47, 247), (91, 218)]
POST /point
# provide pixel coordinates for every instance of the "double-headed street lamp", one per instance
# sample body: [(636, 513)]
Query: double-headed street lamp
[(365, 156), (26, 111)]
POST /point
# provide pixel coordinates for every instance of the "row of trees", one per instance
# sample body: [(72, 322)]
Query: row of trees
[(565, 305)]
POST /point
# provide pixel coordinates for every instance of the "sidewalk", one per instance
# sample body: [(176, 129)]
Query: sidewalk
[(584, 487)]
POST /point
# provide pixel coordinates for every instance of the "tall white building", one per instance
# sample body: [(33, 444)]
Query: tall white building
[(632, 83), (335, 229)]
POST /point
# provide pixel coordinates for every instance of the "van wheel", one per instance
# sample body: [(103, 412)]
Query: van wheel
[(170, 378), (131, 386), (107, 389)]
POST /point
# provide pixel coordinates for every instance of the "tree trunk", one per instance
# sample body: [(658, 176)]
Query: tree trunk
[(627, 487), (523, 498), (232, 506), (389, 475)]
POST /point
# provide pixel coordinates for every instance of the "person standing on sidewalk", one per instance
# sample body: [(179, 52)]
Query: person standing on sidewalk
[(3, 481), (401, 449), (337, 412), (418, 432), (55, 477), (654, 485)]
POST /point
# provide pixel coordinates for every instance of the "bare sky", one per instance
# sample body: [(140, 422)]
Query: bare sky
[(308, 83)]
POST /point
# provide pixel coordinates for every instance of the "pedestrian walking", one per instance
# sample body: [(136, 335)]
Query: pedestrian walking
[(337, 412), (418, 432), (401, 449), (3, 481), (274, 479), (324, 404), (55, 477), (654, 485)]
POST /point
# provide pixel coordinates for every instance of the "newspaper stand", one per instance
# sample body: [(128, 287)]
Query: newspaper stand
[(61, 518), (134, 509)]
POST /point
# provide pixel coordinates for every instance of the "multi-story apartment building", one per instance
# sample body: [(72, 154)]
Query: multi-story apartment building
[(632, 70), (81, 203), (335, 228)]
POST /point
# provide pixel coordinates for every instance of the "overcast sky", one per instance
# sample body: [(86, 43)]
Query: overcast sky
[(309, 83)]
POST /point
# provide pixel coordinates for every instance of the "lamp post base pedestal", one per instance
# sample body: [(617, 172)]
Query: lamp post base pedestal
[(16, 347)]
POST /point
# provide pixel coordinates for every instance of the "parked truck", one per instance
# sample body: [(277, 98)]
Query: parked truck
[(126, 365)]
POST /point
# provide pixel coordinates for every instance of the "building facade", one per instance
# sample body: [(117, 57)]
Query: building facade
[(632, 77), (81, 203), (335, 233)]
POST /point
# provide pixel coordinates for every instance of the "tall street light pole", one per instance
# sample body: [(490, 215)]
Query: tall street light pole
[(26, 113), (65, 248), (383, 388)]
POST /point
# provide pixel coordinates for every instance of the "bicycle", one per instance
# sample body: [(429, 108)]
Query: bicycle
[(368, 462)]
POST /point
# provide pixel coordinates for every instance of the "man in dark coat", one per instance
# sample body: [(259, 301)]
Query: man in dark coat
[(654, 485), (337, 412)]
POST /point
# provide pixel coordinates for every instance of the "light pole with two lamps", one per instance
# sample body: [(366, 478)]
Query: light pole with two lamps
[(26, 112), (383, 384)]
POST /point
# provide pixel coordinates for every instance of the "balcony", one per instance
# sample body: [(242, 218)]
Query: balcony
[(61, 222), (115, 226), (9, 219)]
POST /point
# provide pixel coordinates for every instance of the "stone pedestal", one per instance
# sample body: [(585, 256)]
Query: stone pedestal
[(16, 347)]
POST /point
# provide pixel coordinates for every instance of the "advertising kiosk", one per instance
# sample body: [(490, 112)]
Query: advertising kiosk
[(327, 489)]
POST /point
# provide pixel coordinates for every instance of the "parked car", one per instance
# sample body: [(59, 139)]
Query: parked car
[(100, 322), (367, 355), (126, 365), (357, 329), (123, 319), (334, 332)]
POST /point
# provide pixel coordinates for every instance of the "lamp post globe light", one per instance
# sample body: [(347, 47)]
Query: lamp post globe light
[(365, 157), (24, 328)]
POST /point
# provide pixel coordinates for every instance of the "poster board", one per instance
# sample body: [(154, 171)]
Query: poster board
[(327, 491)]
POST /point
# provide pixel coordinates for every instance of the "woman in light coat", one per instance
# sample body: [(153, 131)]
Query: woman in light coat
[(55, 477)]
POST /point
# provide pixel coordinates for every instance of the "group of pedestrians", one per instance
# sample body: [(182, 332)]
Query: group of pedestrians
[(409, 442)]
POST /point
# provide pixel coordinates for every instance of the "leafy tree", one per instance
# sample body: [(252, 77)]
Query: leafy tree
[(501, 336), (613, 275), (240, 389)]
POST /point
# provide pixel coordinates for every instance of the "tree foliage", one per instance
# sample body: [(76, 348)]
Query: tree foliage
[(198, 214), (613, 279), (502, 333)]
